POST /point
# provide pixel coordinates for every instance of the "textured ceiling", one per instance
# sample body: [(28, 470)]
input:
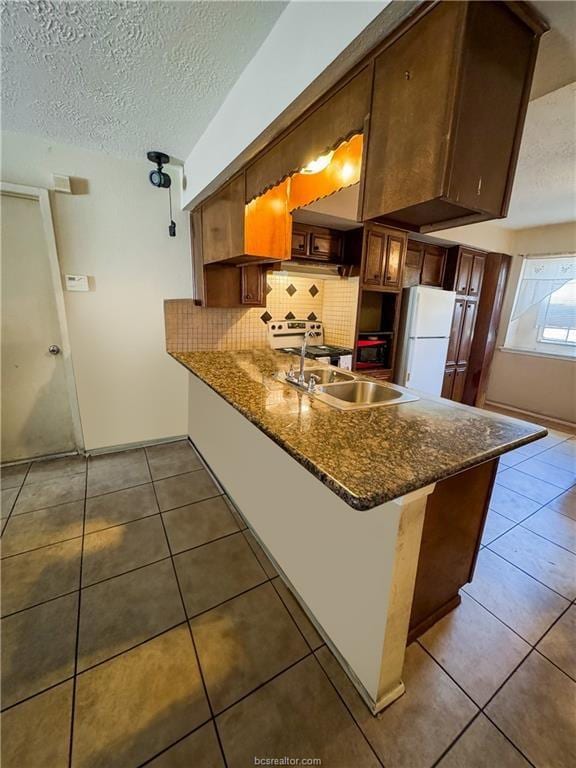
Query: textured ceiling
[(544, 189), (124, 77), (556, 63)]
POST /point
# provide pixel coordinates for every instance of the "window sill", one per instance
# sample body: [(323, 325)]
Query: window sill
[(534, 353)]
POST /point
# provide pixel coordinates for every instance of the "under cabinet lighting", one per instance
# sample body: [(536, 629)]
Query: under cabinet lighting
[(315, 166)]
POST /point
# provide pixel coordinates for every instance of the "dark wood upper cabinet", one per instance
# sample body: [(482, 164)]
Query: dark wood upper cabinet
[(448, 108), (476, 275), (467, 332), (374, 259), (464, 271), (425, 264), (253, 286), (384, 256), (227, 285), (316, 243), (433, 263)]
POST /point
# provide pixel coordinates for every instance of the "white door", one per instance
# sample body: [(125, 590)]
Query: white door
[(433, 312), (426, 362), (36, 411)]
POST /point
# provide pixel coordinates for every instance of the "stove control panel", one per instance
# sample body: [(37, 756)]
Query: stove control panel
[(290, 333)]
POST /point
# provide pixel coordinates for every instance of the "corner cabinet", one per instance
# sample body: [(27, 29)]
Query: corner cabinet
[(449, 101), (384, 253)]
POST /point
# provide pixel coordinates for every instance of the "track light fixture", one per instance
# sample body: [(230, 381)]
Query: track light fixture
[(158, 178)]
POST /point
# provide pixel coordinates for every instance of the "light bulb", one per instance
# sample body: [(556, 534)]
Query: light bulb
[(319, 164)]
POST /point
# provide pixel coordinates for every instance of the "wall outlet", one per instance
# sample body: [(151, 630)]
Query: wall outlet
[(76, 282)]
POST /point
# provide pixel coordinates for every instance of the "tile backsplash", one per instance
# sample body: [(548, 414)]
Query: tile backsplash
[(192, 328)]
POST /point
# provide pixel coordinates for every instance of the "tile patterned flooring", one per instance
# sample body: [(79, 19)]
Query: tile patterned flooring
[(143, 625)]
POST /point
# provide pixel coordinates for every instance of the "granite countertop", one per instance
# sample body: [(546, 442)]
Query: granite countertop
[(367, 456)]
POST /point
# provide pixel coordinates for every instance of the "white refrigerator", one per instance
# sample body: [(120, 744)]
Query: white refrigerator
[(426, 320)]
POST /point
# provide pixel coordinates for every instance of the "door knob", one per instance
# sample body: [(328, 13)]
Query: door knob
[(54, 349)]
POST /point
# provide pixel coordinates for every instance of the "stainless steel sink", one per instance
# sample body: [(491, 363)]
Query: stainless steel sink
[(327, 375), (362, 394)]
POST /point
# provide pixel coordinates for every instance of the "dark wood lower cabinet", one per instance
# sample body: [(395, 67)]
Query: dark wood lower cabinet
[(455, 516)]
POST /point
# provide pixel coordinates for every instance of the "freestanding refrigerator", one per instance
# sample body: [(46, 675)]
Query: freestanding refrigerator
[(426, 319)]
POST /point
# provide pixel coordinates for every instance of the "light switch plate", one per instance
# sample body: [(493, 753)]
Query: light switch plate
[(76, 282)]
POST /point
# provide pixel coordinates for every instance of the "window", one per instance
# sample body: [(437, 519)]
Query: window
[(544, 315)]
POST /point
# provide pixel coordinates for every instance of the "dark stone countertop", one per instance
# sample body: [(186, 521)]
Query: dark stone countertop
[(367, 457)]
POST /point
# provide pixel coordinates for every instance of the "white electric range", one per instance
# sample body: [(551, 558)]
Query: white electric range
[(287, 336)]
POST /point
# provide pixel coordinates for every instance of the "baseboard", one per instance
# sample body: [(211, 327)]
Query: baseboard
[(532, 414), (132, 446)]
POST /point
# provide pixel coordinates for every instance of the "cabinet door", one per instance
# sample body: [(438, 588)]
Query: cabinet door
[(467, 332), (464, 272), (448, 382), (455, 331), (476, 275), (299, 242), (325, 247), (252, 285), (459, 381), (394, 253), (413, 265), (433, 266), (374, 263)]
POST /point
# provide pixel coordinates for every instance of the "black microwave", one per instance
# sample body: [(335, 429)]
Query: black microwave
[(374, 350)]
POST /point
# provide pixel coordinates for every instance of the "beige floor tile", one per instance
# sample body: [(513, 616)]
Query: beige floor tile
[(38, 648), (535, 709), (7, 499), (483, 746), (563, 478), (102, 463), (559, 644), (554, 526), (245, 642), (263, 558), (520, 601), (495, 526), (550, 564), (311, 635), (36, 733), (132, 707), (526, 485), (475, 648), (511, 459), (185, 489), (13, 477), (172, 459), (199, 523), (116, 478), (122, 548), (511, 504), (417, 728), (42, 527), (199, 750), (119, 613), (296, 715), (120, 507), (61, 490), (41, 471), (565, 504), (40, 575), (216, 572), (560, 457)]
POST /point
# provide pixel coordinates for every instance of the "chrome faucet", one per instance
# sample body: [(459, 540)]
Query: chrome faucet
[(307, 334)]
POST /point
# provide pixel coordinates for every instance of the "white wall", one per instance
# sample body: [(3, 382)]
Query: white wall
[(129, 390), (542, 385), (306, 38)]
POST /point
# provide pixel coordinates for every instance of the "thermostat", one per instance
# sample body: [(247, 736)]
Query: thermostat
[(76, 282)]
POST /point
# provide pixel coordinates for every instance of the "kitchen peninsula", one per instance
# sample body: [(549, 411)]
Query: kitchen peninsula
[(373, 516)]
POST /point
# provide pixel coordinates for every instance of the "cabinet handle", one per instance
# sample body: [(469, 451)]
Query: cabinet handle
[(388, 277), (316, 247), (248, 296), (301, 247)]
